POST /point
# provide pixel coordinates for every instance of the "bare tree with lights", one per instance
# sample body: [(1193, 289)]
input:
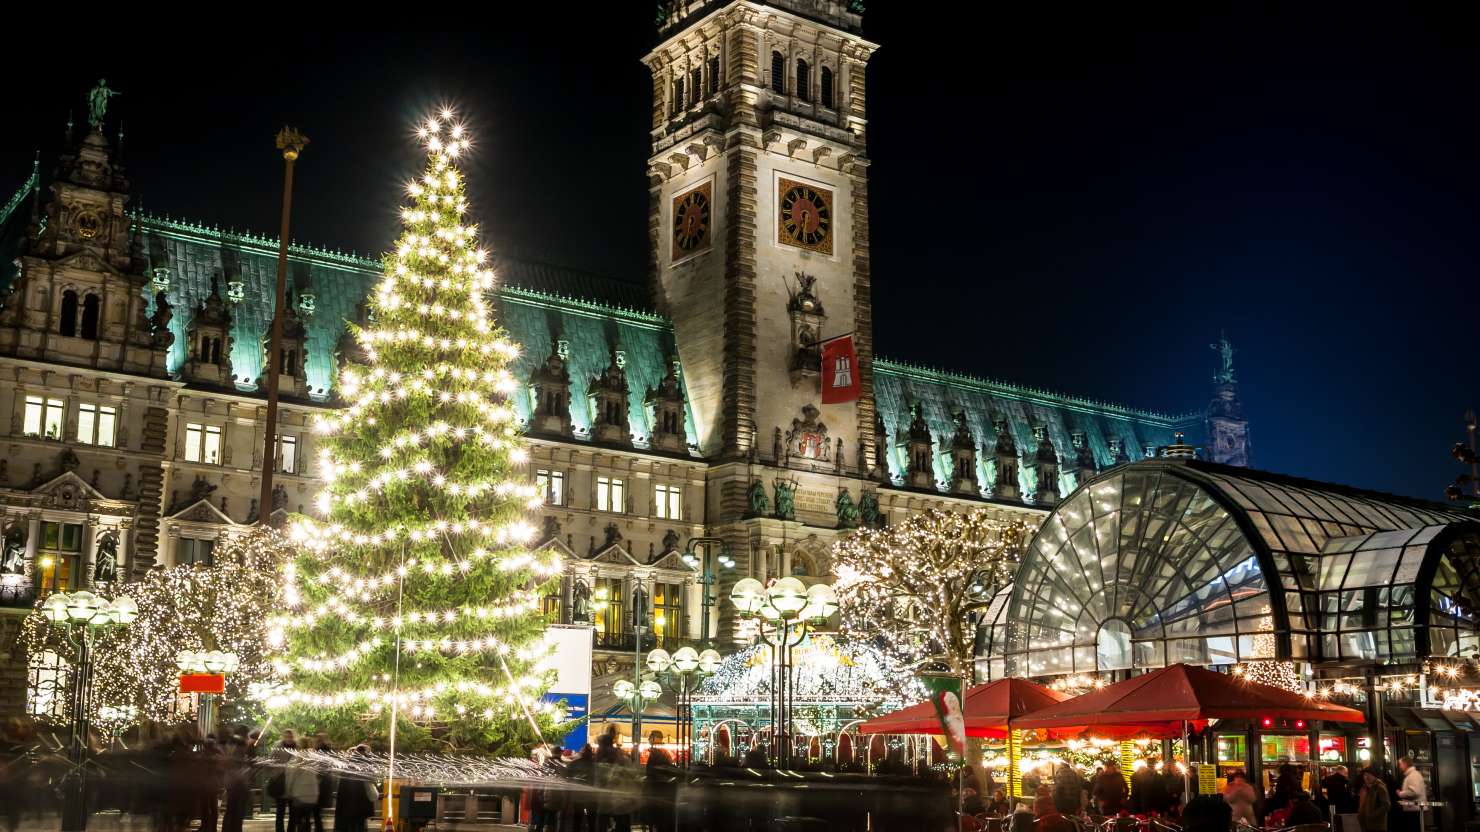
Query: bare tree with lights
[(913, 586), (414, 617), (223, 606)]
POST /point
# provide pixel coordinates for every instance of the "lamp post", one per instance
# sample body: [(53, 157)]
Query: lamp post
[(636, 696), (291, 143), (204, 673), (688, 667), (639, 621), (81, 615), (786, 610), (713, 552)]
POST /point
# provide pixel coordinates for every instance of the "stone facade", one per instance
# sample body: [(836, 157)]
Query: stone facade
[(131, 360)]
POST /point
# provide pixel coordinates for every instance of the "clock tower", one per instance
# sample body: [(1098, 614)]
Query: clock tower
[(758, 222)]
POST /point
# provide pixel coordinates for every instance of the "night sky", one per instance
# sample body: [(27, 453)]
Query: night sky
[(1069, 202)]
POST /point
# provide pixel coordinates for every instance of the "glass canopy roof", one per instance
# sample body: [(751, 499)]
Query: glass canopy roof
[(1167, 561)]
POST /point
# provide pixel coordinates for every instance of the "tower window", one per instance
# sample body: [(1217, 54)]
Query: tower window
[(96, 424), (778, 72), (827, 87), (609, 495), (90, 313), (714, 75), (696, 84), (804, 80), (43, 417), (678, 95), (68, 324)]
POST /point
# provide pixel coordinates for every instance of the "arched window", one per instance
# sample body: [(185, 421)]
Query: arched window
[(678, 95), (91, 311), (696, 84), (68, 323), (713, 74), (804, 80), (827, 87), (778, 72)]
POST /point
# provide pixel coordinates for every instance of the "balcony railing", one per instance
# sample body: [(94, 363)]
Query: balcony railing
[(18, 593)]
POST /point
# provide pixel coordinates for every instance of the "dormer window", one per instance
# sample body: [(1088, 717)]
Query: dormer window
[(778, 72)]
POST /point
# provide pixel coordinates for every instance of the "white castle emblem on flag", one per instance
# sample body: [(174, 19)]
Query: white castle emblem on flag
[(843, 372)]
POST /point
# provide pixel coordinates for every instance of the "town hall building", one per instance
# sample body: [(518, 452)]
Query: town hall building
[(662, 408)]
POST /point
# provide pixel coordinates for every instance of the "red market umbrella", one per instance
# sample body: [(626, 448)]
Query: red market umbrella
[(1158, 704), (988, 709)]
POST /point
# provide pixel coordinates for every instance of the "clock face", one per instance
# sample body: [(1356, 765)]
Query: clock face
[(691, 221), (88, 225), (804, 216)]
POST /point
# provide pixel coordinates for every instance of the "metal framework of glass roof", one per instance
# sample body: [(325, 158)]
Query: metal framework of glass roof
[(1166, 561)]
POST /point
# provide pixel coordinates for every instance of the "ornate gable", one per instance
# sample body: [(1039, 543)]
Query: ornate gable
[(67, 491), (673, 560), (202, 511), (557, 545), (616, 555)]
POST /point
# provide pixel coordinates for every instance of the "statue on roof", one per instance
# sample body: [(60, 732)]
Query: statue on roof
[(1225, 350), (97, 103)]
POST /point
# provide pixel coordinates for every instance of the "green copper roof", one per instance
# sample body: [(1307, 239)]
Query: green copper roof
[(13, 221), (195, 254), (898, 387)]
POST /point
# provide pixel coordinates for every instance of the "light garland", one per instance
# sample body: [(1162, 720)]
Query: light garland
[(914, 584), (422, 547)]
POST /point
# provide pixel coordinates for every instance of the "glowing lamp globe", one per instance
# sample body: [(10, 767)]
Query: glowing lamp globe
[(709, 661), (233, 663), (55, 608), (659, 660), (822, 602), (623, 689), (214, 661), (748, 596), (685, 659), (83, 606), (788, 596), (651, 690), (125, 610), (188, 661)]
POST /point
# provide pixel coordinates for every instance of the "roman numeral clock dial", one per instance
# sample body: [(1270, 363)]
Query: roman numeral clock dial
[(691, 221), (804, 216)]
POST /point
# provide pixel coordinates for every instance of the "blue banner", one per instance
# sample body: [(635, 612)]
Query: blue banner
[(577, 706)]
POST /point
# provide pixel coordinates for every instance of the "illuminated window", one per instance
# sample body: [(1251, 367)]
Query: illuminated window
[(668, 502), (190, 552), (287, 454), (804, 80), (44, 417), (96, 424), (59, 557), (607, 605), (47, 682), (778, 72), (667, 611), (609, 495), (552, 485), (826, 76), (203, 443)]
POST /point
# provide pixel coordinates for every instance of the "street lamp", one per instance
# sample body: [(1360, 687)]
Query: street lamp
[(204, 673), (710, 560), (636, 696), (786, 609), (81, 615), (688, 667)]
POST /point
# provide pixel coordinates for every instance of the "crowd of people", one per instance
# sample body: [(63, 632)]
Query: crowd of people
[(180, 781), (1074, 803)]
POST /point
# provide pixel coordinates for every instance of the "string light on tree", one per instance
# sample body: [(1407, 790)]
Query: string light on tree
[(417, 593)]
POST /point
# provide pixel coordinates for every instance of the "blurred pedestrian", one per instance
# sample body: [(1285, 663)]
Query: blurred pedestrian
[(301, 790), (1149, 795), (1068, 789), (579, 814), (234, 774), (354, 800), (327, 783), (620, 784), (1240, 797), (1109, 790), (1043, 802), (277, 781), (661, 785)]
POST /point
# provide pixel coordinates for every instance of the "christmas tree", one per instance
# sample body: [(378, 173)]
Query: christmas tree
[(416, 602)]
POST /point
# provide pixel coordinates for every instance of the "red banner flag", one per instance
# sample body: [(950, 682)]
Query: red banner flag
[(840, 381), (202, 683)]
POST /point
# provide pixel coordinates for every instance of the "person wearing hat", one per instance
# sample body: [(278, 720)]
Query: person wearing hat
[(1372, 808)]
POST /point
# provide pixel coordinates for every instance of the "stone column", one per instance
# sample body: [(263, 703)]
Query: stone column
[(89, 551)]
